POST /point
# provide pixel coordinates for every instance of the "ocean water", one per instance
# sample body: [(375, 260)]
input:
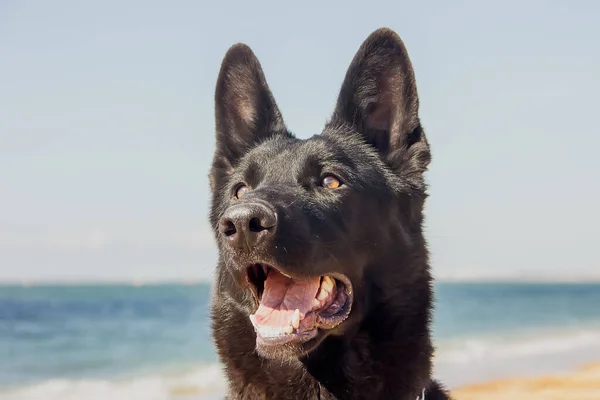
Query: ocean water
[(153, 342)]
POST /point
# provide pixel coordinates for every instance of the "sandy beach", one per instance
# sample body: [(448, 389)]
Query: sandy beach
[(581, 384)]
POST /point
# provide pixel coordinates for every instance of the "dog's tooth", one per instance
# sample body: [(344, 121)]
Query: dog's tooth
[(288, 329), (253, 319), (323, 294), (296, 319), (327, 284)]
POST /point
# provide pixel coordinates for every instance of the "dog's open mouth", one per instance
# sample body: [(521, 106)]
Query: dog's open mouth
[(293, 309)]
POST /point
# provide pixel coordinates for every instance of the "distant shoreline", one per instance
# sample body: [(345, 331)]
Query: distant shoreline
[(198, 282)]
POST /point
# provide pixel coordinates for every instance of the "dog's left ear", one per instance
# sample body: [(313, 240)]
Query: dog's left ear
[(245, 110), (379, 99)]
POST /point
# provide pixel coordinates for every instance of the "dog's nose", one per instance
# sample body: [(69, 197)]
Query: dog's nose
[(245, 226)]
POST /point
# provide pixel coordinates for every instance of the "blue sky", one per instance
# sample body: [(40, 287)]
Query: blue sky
[(106, 128)]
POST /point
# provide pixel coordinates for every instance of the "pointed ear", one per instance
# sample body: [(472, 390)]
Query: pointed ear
[(379, 99), (245, 110)]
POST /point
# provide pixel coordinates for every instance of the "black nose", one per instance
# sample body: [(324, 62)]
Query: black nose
[(245, 226)]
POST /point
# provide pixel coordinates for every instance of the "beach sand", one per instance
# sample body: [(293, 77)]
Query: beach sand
[(581, 384)]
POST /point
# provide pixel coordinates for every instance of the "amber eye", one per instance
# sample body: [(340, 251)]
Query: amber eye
[(241, 191), (331, 182)]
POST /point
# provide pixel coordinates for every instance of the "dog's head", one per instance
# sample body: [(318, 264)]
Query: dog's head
[(310, 232)]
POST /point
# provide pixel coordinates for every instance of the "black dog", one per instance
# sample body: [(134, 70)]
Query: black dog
[(323, 289)]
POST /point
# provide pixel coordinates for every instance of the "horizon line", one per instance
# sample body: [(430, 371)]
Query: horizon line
[(204, 281)]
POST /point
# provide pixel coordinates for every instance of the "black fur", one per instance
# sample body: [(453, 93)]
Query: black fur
[(369, 229)]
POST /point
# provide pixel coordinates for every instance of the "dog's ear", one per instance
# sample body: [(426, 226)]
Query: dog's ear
[(245, 110), (379, 99)]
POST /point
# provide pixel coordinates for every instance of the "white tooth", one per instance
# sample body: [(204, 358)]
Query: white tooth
[(288, 329), (326, 288), (315, 303), (328, 283), (296, 319), (253, 319), (323, 294)]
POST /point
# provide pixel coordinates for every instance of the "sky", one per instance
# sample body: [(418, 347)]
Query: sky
[(107, 128)]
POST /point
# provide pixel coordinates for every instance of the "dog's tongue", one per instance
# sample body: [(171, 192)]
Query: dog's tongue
[(280, 299)]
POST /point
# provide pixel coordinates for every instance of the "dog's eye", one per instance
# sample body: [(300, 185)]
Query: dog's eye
[(331, 182), (241, 191)]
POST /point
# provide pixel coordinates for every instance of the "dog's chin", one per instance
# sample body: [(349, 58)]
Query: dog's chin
[(295, 314)]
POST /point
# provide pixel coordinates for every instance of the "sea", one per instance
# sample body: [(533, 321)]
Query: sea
[(153, 342)]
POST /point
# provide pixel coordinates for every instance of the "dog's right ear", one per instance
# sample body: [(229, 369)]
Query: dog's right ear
[(245, 110)]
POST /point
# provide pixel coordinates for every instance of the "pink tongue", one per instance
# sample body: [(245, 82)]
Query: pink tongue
[(282, 296)]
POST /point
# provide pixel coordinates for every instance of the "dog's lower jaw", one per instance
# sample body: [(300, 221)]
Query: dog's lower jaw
[(396, 366)]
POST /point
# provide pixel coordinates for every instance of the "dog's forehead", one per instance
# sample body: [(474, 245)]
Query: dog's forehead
[(293, 160), (285, 154)]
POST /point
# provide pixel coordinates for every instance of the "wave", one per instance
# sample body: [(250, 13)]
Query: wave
[(205, 382), (509, 353), (515, 347)]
